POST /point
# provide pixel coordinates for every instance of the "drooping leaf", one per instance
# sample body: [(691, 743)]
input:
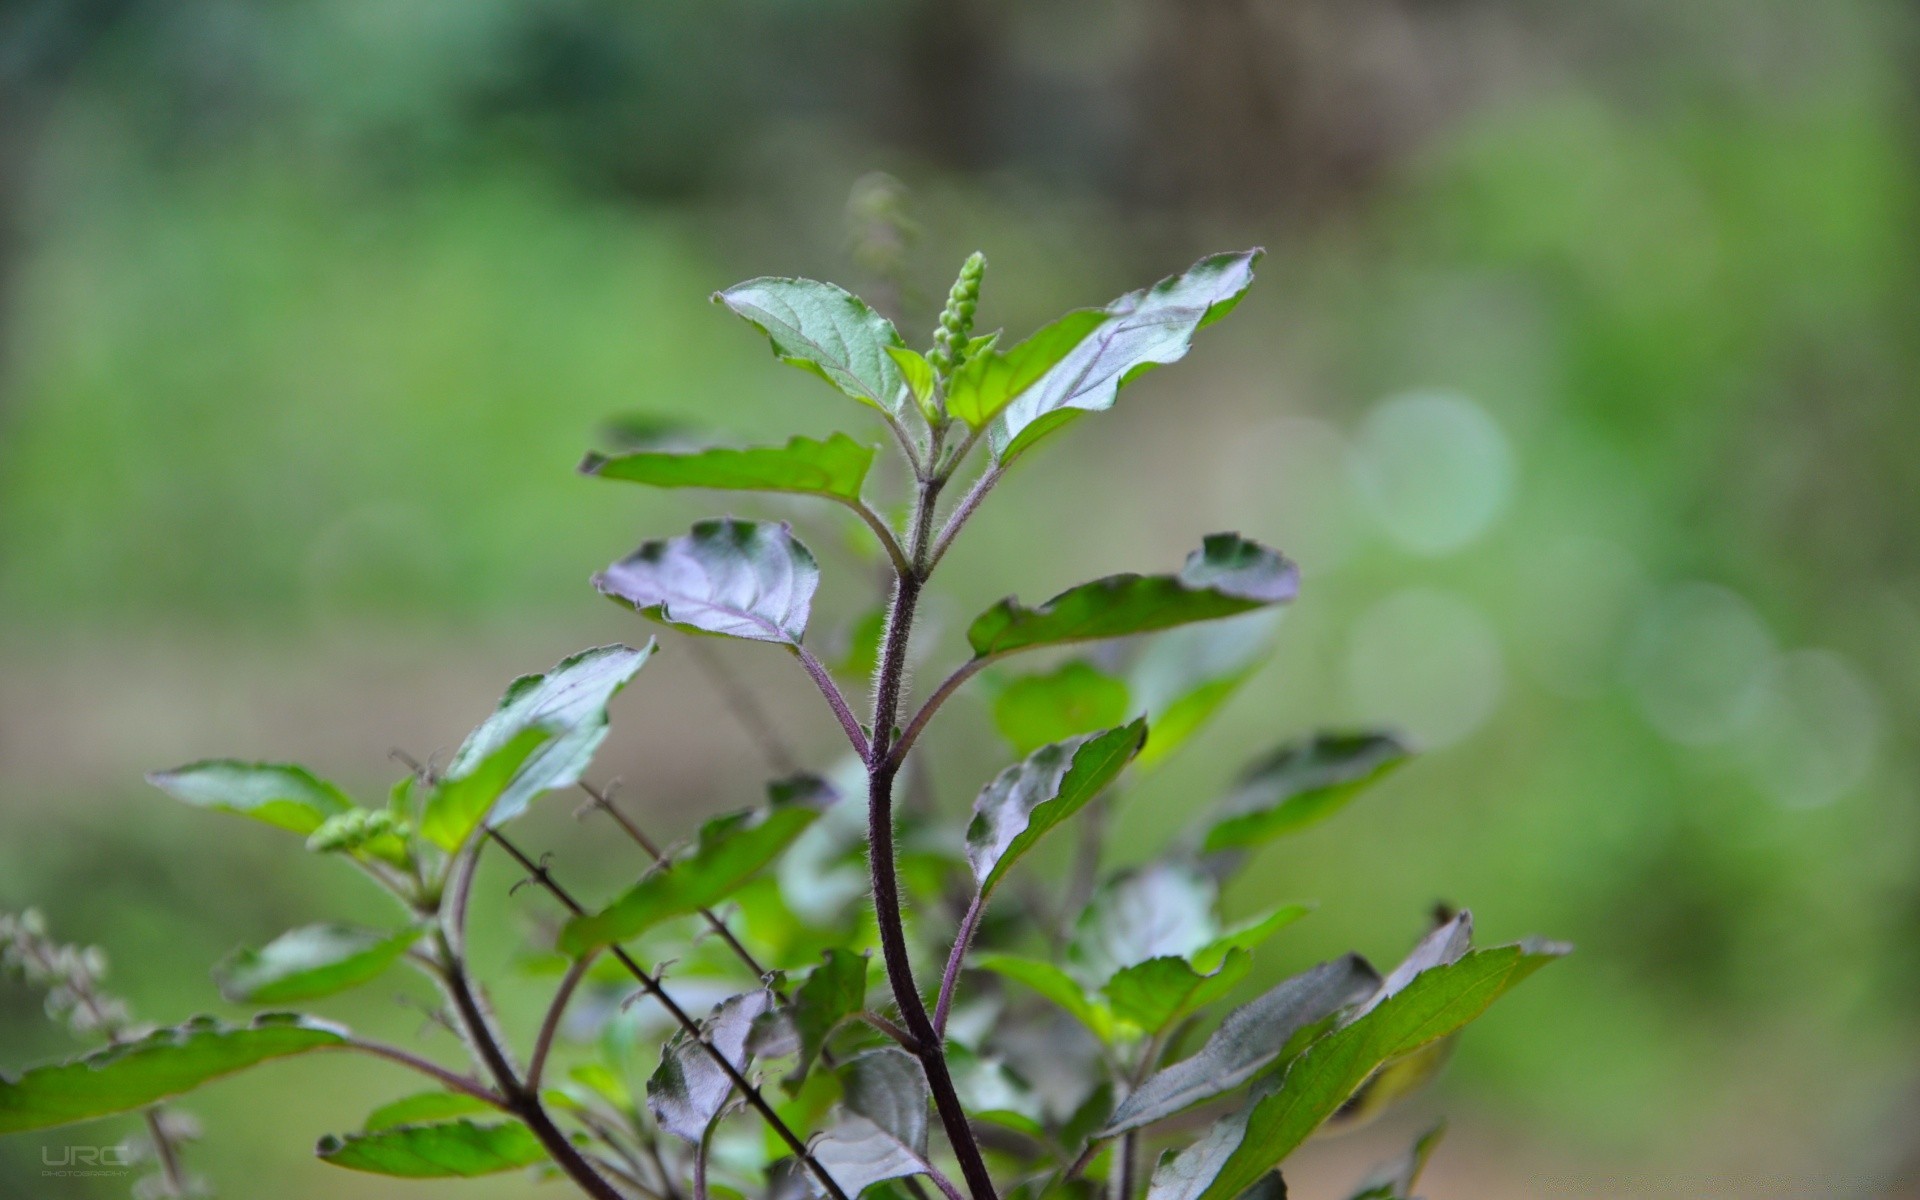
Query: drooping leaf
[(1227, 576), (1156, 993), (986, 383), (1185, 675), (310, 962), (1159, 909), (689, 1089), (571, 702), (835, 468), (729, 851), (1056, 985), (883, 1132), (1135, 333), (832, 992), (165, 1063), (744, 579), (459, 804), (1396, 1180), (1435, 1004), (444, 1150), (1252, 1036), (280, 794), (1023, 802), (1300, 785), (423, 1107), (825, 331), (1074, 698)]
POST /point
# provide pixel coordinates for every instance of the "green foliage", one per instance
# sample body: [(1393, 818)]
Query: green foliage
[(1141, 955)]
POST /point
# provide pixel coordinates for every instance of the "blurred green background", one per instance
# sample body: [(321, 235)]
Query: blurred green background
[(1582, 378)]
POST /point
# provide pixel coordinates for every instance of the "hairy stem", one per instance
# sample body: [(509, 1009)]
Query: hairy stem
[(540, 875), (969, 925), (883, 765), (951, 684), (835, 700), (439, 1074), (962, 511)]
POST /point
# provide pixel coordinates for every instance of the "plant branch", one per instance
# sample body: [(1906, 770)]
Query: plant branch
[(883, 531), (965, 671), (550, 1025), (445, 1078), (962, 511), (883, 766), (540, 875), (969, 925), (835, 699), (603, 800)]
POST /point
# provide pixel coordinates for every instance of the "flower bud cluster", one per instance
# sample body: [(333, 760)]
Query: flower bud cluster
[(956, 320)]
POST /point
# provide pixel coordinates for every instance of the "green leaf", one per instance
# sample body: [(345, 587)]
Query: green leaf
[(310, 962), (571, 702), (1247, 935), (1437, 1002), (1252, 1036), (729, 851), (919, 374), (1184, 675), (1156, 910), (986, 383), (1156, 993), (163, 1064), (688, 1089), (422, 1107), (1135, 333), (1300, 785), (835, 468), (882, 1134), (744, 579), (1396, 1180), (460, 803), (447, 1150), (278, 793), (1227, 576), (1074, 698), (1023, 802), (826, 331), (832, 992), (1056, 985)]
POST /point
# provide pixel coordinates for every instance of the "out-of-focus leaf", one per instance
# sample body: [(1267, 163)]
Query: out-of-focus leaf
[(835, 468), (729, 851), (1436, 1003), (825, 331), (1056, 985), (1075, 698), (1252, 1036), (1135, 333), (570, 701), (444, 1150), (744, 579), (1301, 784), (832, 992), (1396, 1180), (1247, 935), (1023, 802), (883, 1132), (1227, 576), (278, 793), (986, 383), (461, 802), (1156, 910), (165, 1063), (422, 1107), (1156, 993), (991, 1091), (862, 657), (310, 962), (689, 1089), (1184, 675)]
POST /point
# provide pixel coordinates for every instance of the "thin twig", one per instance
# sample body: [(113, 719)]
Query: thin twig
[(550, 1026), (881, 530), (445, 1078), (969, 925), (835, 699), (907, 1041), (965, 671), (602, 799), (961, 512), (542, 876)]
